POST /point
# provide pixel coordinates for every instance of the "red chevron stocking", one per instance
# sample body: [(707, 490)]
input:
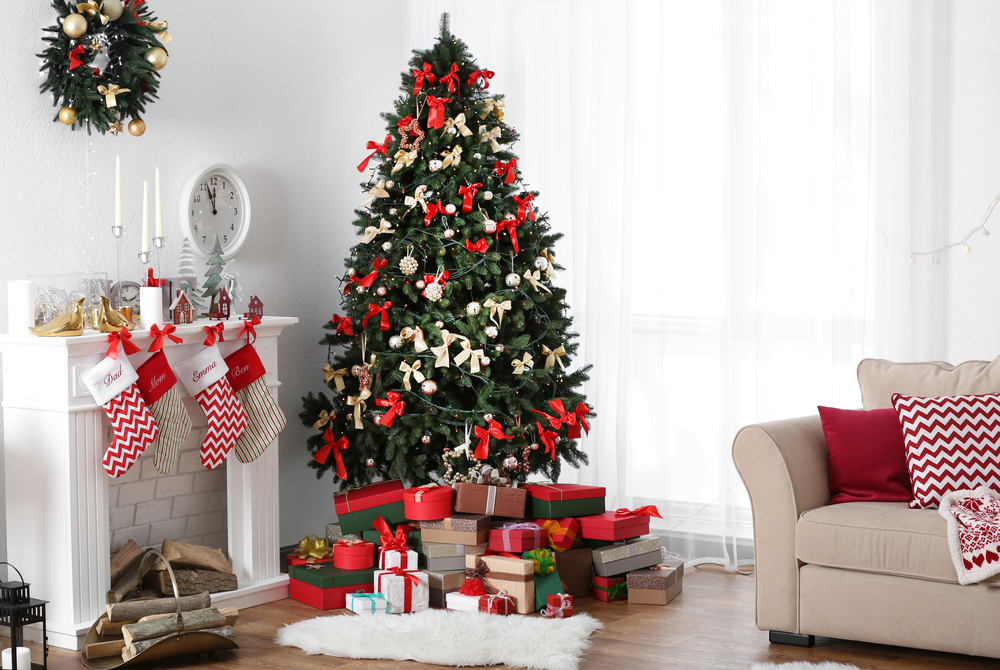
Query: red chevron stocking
[(264, 418), (204, 376), (112, 383)]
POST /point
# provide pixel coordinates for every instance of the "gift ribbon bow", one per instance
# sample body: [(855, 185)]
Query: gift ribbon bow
[(419, 493), (370, 597), (618, 591), (481, 246), (485, 75), (468, 352), (528, 525), (510, 225), (523, 364), (491, 136), (336, 375), (404, 158), (506, 170), (550, 271), (162, 27), (452, 157), (645, 510), (392, 542), (349, 543), (440, 278), (553, 356), (371, 231), (92, 9), (248, 328), (433, 210), (534, 278), (157, 334), (395, 405), (468, 193), (358, 403), (441, 351), (416, 199), (543, 559), (324, 418), (495, 106), (548, 438), (496, 307), (125, 338), (213, 333), (559, 611), (500, 595), (376, 191), (479, 574), (491, 476), (524, 207), (473, 587), (336, 446), (312, 547), (484, 434), (573, 419), (74, 57), (408, 369), (451, 78), (376, 149), (458, 122), (342, 324), (415, 335), (435, 115), (109, 93), (421, 76), (374, 309)]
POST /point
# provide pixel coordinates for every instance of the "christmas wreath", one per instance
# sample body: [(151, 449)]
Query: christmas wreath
[(102, 63)]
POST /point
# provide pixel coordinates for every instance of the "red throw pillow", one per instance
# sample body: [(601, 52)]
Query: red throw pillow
[(867, 456), (952, 444)]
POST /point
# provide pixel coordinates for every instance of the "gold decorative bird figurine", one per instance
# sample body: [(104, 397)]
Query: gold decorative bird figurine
[(111, 320), (67, 325)]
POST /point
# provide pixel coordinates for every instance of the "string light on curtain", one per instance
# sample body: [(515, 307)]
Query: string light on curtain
[(964, 242)]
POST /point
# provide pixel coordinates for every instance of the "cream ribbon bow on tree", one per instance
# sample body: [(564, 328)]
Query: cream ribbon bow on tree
[(162, 27), (534, 279), (554, 356), (468, 352), (457, 122), (495, 106), (376, 191), (523, 365), (358, 402), (495, 307), (453, 157), (91, 9), (408, 369), (550, 271), (109, 93), (491, 136), (441, 351), (336, 375), (417, 199), (404, 158), (415, 335), (372, 231)]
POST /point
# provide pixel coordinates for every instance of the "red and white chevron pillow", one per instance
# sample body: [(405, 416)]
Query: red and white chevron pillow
[(952, 444)]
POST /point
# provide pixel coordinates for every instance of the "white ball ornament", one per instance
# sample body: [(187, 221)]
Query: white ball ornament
[(387, 246), (429, 387), (509, 216), (408, 265), (498, 348), (477, 156), (487, 417), (371, 462), (361, 289), (112, 9), (420, 284), (485, 360), (487, 195), (449, 208), (449, 233), (390, 184), (513, 280), (395, 342), (473, 309), (541, 263), (510, 462), (453, 131), (393, 211), (435, 165), (434, 292), (490, 226), (351, 272), (439, 324), (491, 331), (426, 439), (381, 291)]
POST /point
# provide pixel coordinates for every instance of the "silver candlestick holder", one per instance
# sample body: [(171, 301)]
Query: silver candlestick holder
[(144, 257), (118, 232), (160, 243)]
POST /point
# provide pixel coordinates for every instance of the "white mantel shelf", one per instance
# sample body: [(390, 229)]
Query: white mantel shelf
[(57, 489)]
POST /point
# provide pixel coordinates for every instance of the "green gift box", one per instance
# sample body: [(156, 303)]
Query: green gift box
[(325, 576), (360, 521), (557, 501), (545, 585)]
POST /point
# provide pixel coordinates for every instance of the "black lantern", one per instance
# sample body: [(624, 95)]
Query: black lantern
[(18, 609)]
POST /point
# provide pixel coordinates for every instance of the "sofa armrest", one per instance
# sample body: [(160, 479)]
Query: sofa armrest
[(783, 465)]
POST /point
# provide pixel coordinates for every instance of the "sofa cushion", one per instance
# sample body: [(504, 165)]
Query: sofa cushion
[(867, 458), (888, 538), (879, 379)]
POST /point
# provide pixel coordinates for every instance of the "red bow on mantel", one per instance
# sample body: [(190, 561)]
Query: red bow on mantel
[(435, 114), (248, 328), (389, 541), (451, 78), (485, 75), (433, 210), (548, 438), (645, 510), (378, 149), (125, 338), (343, 325), (336, 446), (507, 168), (214, 332), (510, 225), (524, 204), (494, 430), (395, 405), (422, 75), (469, 192), (158, 336), (481, 246), (374, 309), (573, 419)]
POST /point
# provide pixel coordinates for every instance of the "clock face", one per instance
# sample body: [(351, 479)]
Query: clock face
[(125, 294), (217, 206)]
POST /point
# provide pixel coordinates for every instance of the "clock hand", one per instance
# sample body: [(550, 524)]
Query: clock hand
[(211, 194)]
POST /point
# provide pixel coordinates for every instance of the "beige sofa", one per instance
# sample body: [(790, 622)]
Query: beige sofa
[(874, 572)]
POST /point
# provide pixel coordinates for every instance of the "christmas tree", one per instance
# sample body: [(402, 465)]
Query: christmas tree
[(185, 268), (214, 274), (454, 347)]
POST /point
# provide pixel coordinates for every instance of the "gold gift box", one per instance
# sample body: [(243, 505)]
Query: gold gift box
[(514, 576)]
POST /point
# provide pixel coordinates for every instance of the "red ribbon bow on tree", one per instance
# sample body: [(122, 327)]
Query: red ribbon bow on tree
[(510, 225), (395, 405), (524, 204), (392, 542), (365, 281), (494, 430), (469, 192), (433, 210), (434, 279), (451, 78), (481, 246), (343, 325), (573, 419), (214, 332), (74, 57), (402, 123), (548, 438), (422, 75), (336, 446), (500, 168), (435, 115), (158, 336), (378, 149), (485, 75), (125, 338), (374, 309), (248, 328), (645, 510)]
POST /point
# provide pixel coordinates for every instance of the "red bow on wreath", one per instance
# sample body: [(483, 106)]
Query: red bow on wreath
[(507, 168), (375, 309), (158, 336), (510, 225), (395, 405), (74, 57), (524, 204), (645, 510), (125, 338), (451, 78), (433, 210), (548, 438), (494, 430), (390, 542), (343, 325), (378, 149), (485, 75), (421, 75), (248, 328), (435, 115), (214, 332), (469, 192), (336, 446), (573, 419)]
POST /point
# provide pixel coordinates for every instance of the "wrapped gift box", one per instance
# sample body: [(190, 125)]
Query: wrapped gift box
[(554, 501), (513, 575), (490, 500), (311, 549), (428, 502), (558, 606), (360, 602), (358, 508), (394, 558), (467, 529), (518, 537), (446, 580), (576, 571), (657, 585), (546, 575), (457, 601), (562, 532), (441, 550), (406, 590), (597, 544), (610, 589), (322, 599), (334, 534), (326, 587), (610, 526), (293, 559), (439, 597), (619, 558), (375, 537), (497, 604), (444, 563), (353, 555)]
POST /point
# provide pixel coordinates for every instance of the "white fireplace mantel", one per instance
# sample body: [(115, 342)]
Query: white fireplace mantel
[(57, 490)]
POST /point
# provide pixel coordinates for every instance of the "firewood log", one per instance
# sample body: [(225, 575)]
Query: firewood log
[(196, 557), (133, 610), (196, 620), (124, 559), (104, 649), (193, 581)]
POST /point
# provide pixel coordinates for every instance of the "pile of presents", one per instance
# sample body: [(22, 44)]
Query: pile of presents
[(479, 547)]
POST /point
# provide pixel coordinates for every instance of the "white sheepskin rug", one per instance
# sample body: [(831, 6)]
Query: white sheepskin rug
[(447, 637), (803, 665)]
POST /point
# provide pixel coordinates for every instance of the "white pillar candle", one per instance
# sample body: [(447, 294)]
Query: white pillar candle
[(118, 191), (150, 307), (23, 659), (20, 306), (159, 210), (145, 216)]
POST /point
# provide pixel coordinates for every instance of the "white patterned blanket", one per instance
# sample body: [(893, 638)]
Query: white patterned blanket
[(973, 533)]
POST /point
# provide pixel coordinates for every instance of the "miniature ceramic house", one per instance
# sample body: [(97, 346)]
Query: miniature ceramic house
[(255, 308), (182, 309)]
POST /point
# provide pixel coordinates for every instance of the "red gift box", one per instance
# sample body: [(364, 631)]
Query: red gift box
[(353, 555), (613, 526), (355, 500), (501, 604), (428, 503), (609, 589), (518, 537), (558, 606), (561, 532), (564, 491), (293, 559), (323, 599)]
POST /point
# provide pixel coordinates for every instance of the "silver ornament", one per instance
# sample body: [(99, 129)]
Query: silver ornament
[(509, 216), (439, 324), (427, 193), (435, 165), (426, 439), (449, 208), (371, 462), (361, 289), (390, 184), (477, 156), (420, 284), (541, 263), (485, 360), (491, 331), (393, 211), (473, 309), (351, 272), (498, 348), (429, 387), (452, 130), (381, 291), (513, 280), (490, 226), (510, 462), (387, 246), (395, 342), (487, 195), (449, 233), (487, 417)]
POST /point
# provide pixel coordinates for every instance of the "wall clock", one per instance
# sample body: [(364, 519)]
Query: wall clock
[(215, 203)]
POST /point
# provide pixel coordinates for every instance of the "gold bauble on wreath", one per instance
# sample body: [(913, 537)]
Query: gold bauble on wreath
[(157, 58), (67, 115), (75, 25), (136, 127), (112, 9)]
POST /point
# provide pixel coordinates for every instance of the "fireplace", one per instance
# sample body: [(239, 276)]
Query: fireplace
[(58, 493)]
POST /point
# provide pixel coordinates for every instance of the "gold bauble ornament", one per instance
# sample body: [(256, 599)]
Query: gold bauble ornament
[(75, 25), (67, 115), (136, 127), (157, 58), (112, 9)]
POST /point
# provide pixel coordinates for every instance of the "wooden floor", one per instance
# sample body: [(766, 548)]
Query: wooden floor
[(710, 625)]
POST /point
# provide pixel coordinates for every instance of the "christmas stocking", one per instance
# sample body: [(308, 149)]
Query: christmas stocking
[(204, 376), (112, 383), (264, 418), (159, 389)]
